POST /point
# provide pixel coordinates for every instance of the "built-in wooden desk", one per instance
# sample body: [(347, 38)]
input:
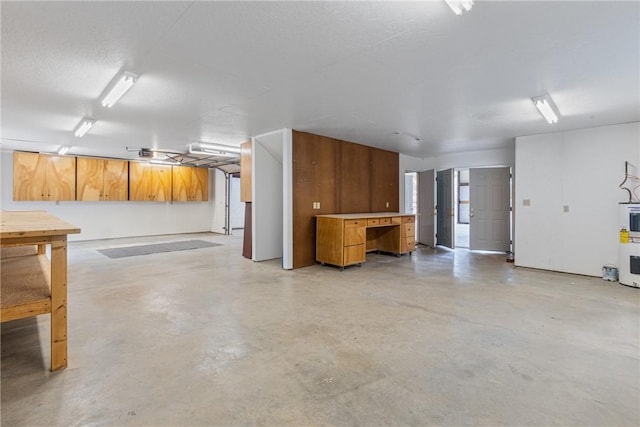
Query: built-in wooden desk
[(30, 285), (344, 239)]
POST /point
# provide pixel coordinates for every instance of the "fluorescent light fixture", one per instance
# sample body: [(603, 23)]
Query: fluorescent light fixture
[(118, 87), (545, 105), (63, 150), (459, 5), (214, 149), (164, 162), (83, 127)]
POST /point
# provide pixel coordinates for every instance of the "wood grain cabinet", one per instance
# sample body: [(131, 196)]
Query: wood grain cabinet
[(344, 239), (43, 177), (190, 184), (149, 182), (340, 241), (102, 179)]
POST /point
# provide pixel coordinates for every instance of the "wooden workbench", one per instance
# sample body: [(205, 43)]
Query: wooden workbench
[(31, 285)]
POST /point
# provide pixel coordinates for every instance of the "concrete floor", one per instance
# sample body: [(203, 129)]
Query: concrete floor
[(205, 337)]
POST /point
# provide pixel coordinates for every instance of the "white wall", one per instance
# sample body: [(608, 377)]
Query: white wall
[(473, 159), (580, 169), (106, 220), (267, 191), (237, 207), (218, 209)]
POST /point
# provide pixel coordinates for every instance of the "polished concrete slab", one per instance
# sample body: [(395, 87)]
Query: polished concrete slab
[(205, 337)]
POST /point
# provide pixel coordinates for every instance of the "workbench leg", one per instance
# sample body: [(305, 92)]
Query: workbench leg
[(58, 303), (42, 249)]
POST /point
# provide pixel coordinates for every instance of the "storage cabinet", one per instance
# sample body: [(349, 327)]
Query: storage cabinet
[(340, 241), (43, 177), (190, 184), (102, 179), (149, 182), (245, 171)]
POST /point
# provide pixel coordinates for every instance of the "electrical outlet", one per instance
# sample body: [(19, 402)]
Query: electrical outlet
[(565, 208), (387, 204), (316, 205), (526, 202)]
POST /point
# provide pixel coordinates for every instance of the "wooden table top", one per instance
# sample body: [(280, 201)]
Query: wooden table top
[(33, 223), (364, 215)]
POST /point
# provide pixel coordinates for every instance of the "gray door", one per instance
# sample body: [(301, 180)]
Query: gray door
[(445, 209), (489, 212), (426, 211)]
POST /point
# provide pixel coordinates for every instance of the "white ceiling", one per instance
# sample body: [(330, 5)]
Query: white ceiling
[(359, 71)]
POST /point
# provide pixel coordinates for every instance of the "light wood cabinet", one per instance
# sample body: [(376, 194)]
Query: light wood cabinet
[(344, 240), (43, 177), (340, 241), (190, 184), (102, 179), (149, 182), (245, 171)]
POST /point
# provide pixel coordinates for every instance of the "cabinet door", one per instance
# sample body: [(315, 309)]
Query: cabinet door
[(29, 176), (201, 187), (149, 182), (60, 177), (90, 179), (140, 177), (115, 180), (181, 183), (190, 184)]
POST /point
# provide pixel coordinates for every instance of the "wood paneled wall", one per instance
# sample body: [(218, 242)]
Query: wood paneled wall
[(344, 178)]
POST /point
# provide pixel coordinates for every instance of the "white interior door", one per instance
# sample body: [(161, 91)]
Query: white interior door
[(445, 209), (490, 209), (426, 205)]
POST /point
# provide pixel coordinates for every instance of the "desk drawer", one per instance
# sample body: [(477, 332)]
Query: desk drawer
[(407, 244), (373, 221), (385, 221), (355, 235), (354, 255), (408, 230), (355, 222), (406, 219)]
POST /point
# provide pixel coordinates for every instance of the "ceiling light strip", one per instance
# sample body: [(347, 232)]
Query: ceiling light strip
[(83, 127), (459, 5), (547, 108), (118, 87)]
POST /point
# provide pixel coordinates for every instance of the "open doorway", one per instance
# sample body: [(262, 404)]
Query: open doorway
[(461, 194), (474, 208), (411, 192)]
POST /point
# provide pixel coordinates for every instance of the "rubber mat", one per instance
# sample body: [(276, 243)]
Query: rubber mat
[(156, 248)]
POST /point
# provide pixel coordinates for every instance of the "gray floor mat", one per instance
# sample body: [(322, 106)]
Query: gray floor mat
[(156, 248)]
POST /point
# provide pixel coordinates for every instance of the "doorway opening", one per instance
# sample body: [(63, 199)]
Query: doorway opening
[(461, 208), (411, 192)]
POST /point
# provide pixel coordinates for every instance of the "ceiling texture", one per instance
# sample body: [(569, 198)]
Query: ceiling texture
[(410, 77)]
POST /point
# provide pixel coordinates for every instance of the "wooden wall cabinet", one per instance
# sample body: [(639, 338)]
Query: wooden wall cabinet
[(102, 179), (190, 184), (43, 177), (149, 182), (245, 171)]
